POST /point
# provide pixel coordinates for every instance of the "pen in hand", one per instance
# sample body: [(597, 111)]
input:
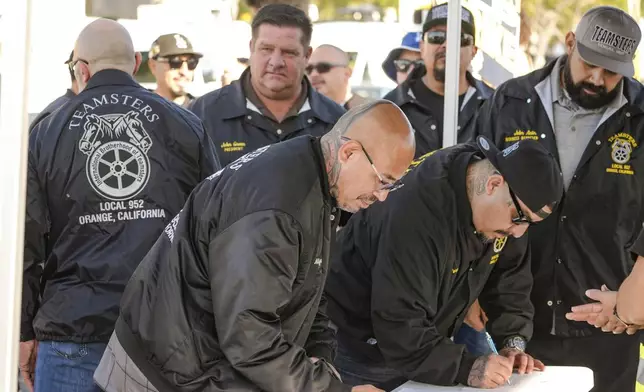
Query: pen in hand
[(490, 343)]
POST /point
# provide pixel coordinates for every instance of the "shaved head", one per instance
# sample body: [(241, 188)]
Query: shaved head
[(105, 44), (330, 53), (379, 132)]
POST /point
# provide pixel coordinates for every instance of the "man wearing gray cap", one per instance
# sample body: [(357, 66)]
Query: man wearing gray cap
[(173, 62), (586, 109)]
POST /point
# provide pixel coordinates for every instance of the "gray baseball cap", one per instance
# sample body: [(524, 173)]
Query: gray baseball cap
[(608, 37)]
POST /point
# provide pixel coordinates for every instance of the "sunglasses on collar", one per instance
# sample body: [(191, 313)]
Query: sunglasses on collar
[(439, 38)]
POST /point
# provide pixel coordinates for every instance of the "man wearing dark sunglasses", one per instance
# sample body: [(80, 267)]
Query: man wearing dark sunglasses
[(403, 59), (421, 96), (405, 271), (272, 101), (172, 61), (329, 72)]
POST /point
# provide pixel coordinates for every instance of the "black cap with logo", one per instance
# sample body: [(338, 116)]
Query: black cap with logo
[(608, 37), (172, 45), (530, 170), (437, 16)]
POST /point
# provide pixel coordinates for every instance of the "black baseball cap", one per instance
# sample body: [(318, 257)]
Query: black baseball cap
[(530, 170), (608, 37), (437, 16), (172, 45)]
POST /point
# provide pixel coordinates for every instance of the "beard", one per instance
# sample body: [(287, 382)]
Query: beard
[(439, 73), (484, 238), (577, 94)]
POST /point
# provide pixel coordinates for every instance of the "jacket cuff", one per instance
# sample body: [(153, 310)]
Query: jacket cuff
[(638, 245), (467, 362), (26, 336), (321, 351)]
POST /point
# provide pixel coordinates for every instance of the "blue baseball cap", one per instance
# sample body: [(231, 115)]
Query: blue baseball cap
[(411, 41)]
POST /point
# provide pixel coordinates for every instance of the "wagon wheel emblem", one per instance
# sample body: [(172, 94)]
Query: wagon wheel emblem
[(118, 170), (621, 155)]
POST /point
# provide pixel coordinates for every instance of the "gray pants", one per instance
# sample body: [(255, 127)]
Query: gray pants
[(117, 372)]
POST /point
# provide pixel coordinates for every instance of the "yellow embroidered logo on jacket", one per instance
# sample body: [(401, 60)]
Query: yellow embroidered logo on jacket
[(622, 146), (522, 135), (233, 146), (499, 244)]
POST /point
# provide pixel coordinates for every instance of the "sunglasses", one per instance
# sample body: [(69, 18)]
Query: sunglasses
[(176, 62), (72, 64), (384, 185), (439, 38), (321, 67), (403, 65), (521, 217)]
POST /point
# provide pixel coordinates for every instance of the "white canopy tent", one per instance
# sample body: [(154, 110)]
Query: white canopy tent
[(13, 149)]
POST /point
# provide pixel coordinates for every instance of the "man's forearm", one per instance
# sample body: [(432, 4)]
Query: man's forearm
[(629, 297)]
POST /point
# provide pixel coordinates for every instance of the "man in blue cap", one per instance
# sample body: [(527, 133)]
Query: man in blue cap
[(403, 59)]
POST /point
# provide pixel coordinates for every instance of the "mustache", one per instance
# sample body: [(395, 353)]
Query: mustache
[(441, 55), (592, 87)]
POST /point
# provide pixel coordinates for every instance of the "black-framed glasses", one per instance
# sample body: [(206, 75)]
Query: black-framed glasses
[(521, 217), (176, 62), (384, 185), (402, 65), (322, 67), (72, 64), (439, 37)]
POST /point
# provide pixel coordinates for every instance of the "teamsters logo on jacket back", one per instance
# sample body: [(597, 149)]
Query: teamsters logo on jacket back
[(116, 145)]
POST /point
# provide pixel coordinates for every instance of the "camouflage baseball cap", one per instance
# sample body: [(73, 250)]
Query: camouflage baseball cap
[(172, 45), (608, 37)]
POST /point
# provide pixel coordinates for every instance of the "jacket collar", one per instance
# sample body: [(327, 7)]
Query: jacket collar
[(402, 94), (111, 77), (523, 87), (235, 105), (458, 181), (324, 176)]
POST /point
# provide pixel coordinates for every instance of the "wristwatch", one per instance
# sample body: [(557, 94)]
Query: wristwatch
[(515, 342)]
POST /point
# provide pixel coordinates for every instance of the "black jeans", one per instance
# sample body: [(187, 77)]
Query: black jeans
[(612, 358)]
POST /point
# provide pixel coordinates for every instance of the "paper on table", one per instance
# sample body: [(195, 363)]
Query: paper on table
[(556, 378)]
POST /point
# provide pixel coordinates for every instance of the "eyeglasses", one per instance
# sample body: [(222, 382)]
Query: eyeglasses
[(439, 37), (322, 68), (384, 185), (176, 62), (72, 64), (403, 65), (521, 217)]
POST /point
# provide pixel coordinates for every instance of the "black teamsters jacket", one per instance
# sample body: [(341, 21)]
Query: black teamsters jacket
[(237, 129), (107, 172), (586, 241), (236, 281), (405, 271), (428, 136)]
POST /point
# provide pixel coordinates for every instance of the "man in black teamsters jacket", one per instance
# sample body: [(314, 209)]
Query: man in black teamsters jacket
[(405, 271), (230, 297), (421, 96), (587, 110), (106, 173), (272, 101)]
